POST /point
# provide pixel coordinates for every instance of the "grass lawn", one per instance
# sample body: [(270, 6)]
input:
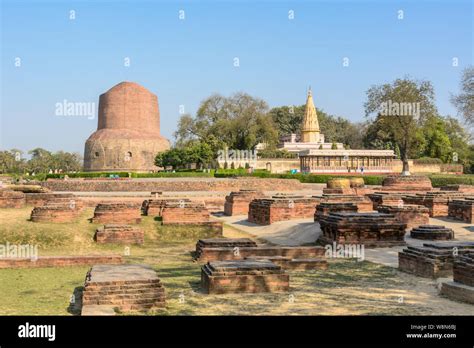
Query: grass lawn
[(346, 288)]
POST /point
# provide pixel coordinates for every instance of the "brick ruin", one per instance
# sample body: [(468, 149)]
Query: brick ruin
[(237, 202), (225, 243), (60, 261), (363, 203), (154, 207), (184, 213), (458, 188), (436, 201), (369, 229), (462, 209), (432, 232), (191, 214), (386, 198), (266, 211), (432, 260), (462, 286), (12, 199), (126, 287), (243, 276), (57, 210), (117, 213), (409, 214), (39, 199), (214, 249), (119, 234), (291, 258), (407, 183), (324, 209)]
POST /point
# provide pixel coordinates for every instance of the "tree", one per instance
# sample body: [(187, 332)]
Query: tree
[(402, 106), (437, 143), (464, 101), (197, 153), (237, 122), (335, 129), (12, 162)]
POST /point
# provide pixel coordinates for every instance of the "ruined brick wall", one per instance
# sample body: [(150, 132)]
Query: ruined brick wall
[(184, 213), (117, 213), (173, 185), (60, 261), (119, 234), (12, 199)]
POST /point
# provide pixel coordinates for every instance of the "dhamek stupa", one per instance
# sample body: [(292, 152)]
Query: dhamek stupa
[(128, 132)]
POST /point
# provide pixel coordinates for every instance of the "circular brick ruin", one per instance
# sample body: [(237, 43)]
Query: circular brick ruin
[(407, 183), (432, 232), (12, 199), (54, 213)]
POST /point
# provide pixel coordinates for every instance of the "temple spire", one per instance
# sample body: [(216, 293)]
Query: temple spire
[(310, 126)]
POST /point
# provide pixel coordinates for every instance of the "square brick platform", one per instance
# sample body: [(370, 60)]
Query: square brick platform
[(436, 201), (462, 286), (369, 229), (281, 207), (237, 202), (221, 277), (154, 207), (409, 214), (462, 209), (432, 260), (432, 232), (324, 209), (237, 249), (119, 234), (127, 287)]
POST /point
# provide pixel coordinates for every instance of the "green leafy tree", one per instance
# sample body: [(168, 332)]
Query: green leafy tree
[(237, 122), (404, 129), (464, 101)]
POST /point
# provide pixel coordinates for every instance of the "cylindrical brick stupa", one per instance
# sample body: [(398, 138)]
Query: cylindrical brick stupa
[(128, 133)]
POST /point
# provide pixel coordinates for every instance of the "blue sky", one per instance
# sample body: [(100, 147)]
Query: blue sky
[(185, 61)]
